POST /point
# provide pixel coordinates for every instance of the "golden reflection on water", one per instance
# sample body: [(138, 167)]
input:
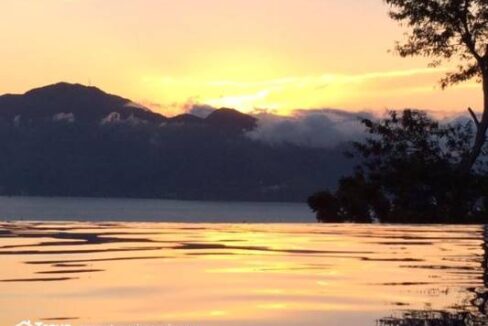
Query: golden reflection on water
[(225, 274)]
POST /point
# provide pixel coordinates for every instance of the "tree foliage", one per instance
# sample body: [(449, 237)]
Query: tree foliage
[(445, 29), (413, 168), (409, 173), (450, 30)]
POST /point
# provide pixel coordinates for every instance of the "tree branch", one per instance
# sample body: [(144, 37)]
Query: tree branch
[(467, 35), (475, 118)]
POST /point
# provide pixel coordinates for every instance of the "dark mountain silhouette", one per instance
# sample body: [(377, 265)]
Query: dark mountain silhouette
[(231, 119), (72, 140), (63, 100), (186, 119)]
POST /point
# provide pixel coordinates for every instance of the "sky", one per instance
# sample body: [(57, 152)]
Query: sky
[(274, 55)]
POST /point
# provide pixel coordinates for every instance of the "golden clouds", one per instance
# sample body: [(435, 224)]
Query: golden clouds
[(375, 90)]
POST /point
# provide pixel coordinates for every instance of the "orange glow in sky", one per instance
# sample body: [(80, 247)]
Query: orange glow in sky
[(247, 54)]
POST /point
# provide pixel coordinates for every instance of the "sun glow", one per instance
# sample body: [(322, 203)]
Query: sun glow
[(245, 54), (381, 90)]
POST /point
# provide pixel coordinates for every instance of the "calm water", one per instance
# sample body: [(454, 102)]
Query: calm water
[(102, 209), (132, 273)]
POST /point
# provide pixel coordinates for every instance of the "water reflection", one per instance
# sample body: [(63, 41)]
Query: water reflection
[(470, 312), (225, 274)]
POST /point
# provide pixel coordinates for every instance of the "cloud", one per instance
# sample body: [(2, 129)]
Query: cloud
[(323, 128), (326, 128), (63, 116), (116, 118), (374, 90)]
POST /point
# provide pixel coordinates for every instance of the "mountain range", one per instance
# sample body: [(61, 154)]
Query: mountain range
[(73, 140)]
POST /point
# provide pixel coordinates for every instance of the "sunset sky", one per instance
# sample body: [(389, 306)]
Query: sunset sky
[(278, 55)]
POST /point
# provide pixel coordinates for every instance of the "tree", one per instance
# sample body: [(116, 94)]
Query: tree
[(413, 159), (409, 174), (326, 206), (445, 30)]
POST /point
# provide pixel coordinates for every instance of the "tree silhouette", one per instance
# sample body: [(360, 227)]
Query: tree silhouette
[(409, 174), (445, 30)]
